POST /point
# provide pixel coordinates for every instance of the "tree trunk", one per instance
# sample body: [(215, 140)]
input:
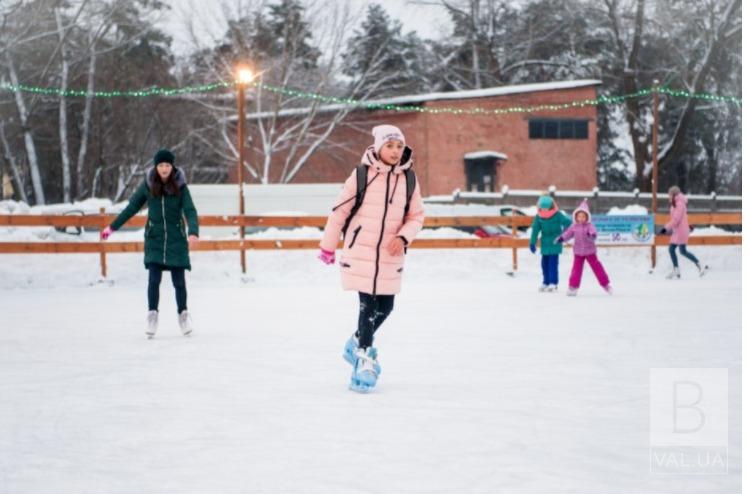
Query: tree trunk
[(86, 125), (474, 14), (13, 165), (63, 123), (28, 139)]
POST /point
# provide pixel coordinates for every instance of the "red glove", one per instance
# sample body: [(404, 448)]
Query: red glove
[(106, 232)]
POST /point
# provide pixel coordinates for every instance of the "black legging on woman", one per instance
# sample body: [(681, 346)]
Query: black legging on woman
[(154, 283), (683, 252), (372, 313)]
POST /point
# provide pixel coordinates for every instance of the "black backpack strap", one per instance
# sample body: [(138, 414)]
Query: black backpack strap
[(410, 187), (361, 176)]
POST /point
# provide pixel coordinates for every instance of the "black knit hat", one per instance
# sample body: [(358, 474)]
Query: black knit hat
[(163, 155)]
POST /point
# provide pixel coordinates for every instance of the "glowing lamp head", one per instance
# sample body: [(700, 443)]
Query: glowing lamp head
[(244, 75)]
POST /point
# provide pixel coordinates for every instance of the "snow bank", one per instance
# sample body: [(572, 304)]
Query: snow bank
[(632, 209)]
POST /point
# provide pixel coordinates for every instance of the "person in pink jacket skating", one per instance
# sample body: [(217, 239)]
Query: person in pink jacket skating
[(584, 234), (379, 212), (679, 230)]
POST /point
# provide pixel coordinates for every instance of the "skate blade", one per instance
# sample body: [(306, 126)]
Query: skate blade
[(361, 388), (150, 336)]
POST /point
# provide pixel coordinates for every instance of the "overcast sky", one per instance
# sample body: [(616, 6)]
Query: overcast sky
[(427, 21)]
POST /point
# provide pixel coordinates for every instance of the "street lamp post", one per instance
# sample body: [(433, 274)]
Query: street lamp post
[(244, 77)]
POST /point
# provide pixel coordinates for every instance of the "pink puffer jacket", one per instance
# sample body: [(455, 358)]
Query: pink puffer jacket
[(366, 265), (584, 234), (679, 220)]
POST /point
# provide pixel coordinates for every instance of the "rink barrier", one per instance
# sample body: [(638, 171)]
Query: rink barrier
[(102, 248)]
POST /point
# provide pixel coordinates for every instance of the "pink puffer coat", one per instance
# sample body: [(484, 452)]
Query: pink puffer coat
[(366, 265), (679, 220)]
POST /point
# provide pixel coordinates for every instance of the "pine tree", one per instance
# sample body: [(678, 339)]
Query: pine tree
[(381, 60)]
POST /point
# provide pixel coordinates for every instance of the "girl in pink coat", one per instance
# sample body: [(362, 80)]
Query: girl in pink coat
[(678, 229), (584, 234), (375, 241)]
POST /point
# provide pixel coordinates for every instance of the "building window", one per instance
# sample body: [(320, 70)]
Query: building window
[(558, 128)]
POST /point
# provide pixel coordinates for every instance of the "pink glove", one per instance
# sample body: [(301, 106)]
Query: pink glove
[(326, 256), (106, 232)]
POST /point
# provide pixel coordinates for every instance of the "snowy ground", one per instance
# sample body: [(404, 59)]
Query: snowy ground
[(487, 385)]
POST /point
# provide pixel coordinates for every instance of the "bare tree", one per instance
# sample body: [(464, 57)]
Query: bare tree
[(28, 138), (62, 31), (18, 29), (289, 128), (14, 168), (720, 29), (695, 64), (627, 49), (98, 22)]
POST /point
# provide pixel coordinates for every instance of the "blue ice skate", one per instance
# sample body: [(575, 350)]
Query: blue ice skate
[(350, 350), (364, 376), (349, 354)]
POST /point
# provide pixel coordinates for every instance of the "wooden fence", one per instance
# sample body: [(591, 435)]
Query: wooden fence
[(504, 242)]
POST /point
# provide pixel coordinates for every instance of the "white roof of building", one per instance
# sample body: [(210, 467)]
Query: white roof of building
[(453, 95), (493, 91)]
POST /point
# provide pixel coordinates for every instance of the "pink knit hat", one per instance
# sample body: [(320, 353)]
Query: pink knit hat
[(384, 133)]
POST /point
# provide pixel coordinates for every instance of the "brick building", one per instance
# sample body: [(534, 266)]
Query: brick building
[(470, 152)]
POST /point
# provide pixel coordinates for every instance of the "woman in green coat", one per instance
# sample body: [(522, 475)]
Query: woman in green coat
[(165, 192), (550, 222)]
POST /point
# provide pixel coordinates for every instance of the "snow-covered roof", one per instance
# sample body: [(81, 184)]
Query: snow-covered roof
[(493, 91), (485, 154), (413, 99)]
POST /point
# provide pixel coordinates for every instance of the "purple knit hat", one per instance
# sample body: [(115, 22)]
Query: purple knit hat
[(583, 207)]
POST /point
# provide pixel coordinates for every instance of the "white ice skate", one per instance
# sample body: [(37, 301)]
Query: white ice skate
[(552, 288), (152, 324), (543, 288), (185, 323), (572, 292), (608, 289), (674, 274), (702, 270)]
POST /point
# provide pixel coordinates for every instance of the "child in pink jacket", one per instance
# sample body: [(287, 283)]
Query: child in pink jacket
[(584, 234), (679, 230), (374, 244)]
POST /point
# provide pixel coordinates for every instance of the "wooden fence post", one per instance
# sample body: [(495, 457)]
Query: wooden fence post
[(102, 253)]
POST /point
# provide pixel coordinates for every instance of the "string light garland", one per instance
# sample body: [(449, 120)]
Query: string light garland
[(137, 93), (704, 96), (370, 105)]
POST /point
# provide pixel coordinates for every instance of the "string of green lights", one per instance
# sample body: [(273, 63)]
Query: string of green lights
[(156, 91), (372, 105)]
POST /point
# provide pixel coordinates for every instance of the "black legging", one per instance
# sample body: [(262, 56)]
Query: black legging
[(373, 310), (154, 283), (683, 252)]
